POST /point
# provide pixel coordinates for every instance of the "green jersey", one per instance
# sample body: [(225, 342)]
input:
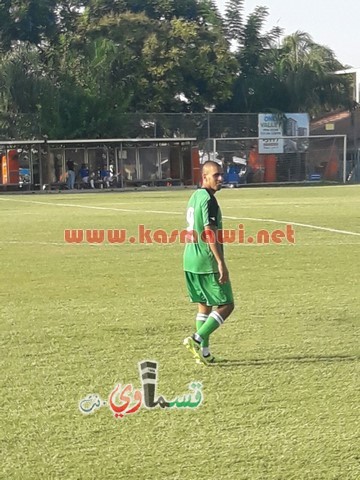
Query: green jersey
[(202, 210)]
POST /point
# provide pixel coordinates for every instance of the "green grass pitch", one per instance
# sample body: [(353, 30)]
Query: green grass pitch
[(77, 318)]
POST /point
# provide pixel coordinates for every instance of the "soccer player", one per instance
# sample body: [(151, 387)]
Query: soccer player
[(206, 274)]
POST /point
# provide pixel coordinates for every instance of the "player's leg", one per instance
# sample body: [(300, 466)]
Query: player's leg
[(207, 292), (214, 323), (194, 288), (222, 296), (201, 317), (216, 318)]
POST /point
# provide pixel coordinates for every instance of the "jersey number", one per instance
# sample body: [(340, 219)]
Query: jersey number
[(190, 219)]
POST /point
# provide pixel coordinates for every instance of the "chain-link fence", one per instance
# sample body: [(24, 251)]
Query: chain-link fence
[(318, 157), (292, 159), (199, 125), (176, 125), (147, 125)]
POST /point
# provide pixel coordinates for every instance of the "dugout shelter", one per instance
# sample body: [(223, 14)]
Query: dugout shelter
[(126, 162)]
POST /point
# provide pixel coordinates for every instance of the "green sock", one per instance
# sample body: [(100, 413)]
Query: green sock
[(200, 321), (212, 323)]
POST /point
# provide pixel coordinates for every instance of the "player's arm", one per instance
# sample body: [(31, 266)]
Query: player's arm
[(209, 219), (215, 247)]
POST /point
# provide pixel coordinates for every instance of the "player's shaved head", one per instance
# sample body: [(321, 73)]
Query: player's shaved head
[(212, 176), (209, 166)]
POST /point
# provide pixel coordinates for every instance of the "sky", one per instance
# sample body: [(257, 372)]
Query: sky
[(329, 22)]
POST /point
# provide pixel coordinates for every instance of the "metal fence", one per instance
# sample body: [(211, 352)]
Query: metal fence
[(297, 159), (327, 157), (148, 125)]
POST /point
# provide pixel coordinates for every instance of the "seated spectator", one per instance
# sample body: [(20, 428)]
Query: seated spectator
[(84, 174), (105, 176), (92, 180)]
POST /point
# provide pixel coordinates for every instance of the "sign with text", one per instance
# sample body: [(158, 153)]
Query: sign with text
[(272, 127)]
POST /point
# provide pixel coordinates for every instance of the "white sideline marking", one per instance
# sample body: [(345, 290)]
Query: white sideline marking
[(264, 220), (22, 242), (57, 244), (305, 225), (89, 206)]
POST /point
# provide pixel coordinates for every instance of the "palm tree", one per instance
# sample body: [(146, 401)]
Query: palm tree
[(307, 71), (256, 87)]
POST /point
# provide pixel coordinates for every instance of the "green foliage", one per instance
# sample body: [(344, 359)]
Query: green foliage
[(27, 94), (292, 75), (305, 69), (74, 66), (234, 23), (31, 21), (256, 87)]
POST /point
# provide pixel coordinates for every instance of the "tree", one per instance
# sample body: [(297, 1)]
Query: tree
[(292, 75), (209, 14), (234, 23), (74, 66), (27, 94), (32, 21), (256, 86), (307, 71), (149, 64)]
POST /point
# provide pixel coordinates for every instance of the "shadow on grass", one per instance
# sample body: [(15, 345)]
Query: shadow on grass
[(284, 360)]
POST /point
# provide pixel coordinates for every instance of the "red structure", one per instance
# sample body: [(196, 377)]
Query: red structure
[(10, 168)]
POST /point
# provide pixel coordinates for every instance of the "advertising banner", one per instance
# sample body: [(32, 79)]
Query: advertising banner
[(273, 126)]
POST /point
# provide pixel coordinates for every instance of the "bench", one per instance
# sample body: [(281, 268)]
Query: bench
[(10, 187), (156, 182)]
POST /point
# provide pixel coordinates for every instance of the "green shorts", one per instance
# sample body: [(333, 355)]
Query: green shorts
[(205, 288)]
